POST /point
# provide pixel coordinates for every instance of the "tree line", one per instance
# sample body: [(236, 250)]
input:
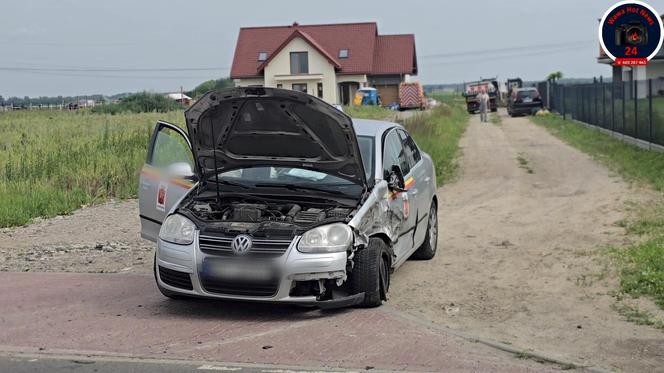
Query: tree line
[(199, 90)]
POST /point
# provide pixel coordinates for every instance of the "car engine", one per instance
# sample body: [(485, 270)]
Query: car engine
[(257, 211)]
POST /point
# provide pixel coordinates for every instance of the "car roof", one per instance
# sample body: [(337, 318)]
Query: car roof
[(374, 128), (526, 89)]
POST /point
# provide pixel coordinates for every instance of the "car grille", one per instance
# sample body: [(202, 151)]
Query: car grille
[(176, 279), (254, 289), (263, 248)]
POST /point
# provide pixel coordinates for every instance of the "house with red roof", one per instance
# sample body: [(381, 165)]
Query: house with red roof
[(329, 61)]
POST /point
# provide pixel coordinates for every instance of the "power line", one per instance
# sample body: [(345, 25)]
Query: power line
[(489, 59), (112, 76), (583, 43), (108, 69)]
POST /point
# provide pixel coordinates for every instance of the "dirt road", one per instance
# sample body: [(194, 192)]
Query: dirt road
[(518, 252)]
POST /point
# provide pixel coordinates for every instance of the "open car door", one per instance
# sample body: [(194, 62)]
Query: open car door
[(166, 176)]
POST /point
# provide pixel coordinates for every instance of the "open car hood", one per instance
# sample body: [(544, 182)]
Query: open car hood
[(256, 126)]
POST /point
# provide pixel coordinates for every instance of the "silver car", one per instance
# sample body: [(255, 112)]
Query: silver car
[(273, 195)]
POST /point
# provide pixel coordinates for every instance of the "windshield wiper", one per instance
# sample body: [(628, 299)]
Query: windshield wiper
[(301, 187), (233, 183)]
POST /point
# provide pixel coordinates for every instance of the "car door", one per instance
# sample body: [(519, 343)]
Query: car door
[(403, 203), (418, 184), (162, 181)]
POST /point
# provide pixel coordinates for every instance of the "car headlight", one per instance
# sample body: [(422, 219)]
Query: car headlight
[(177, 229), (331, 238)]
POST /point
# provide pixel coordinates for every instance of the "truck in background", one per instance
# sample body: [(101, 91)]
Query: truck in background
[(472, 89), (367, 96), (411, 96), (513, 84)]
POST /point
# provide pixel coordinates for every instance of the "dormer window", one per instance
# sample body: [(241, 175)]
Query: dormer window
[(343, 53), (262, 56)]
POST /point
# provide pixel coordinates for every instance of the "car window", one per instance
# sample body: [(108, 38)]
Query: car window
[(366, 144), (412, 152), (170, 147), (394, 154), (531, 93)]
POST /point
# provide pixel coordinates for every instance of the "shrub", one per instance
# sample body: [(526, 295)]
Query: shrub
[(143, 102)]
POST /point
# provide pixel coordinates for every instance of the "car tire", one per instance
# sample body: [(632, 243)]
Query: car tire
[(428, 248), (371, 273), (165, 292)]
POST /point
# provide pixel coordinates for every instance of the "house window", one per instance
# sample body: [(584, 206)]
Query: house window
[(302, 87), (262, 56), (299, 63), (320, 90), (343, 53), (280, 85)]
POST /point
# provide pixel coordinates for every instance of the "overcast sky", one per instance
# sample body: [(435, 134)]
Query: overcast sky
[(526, 38)]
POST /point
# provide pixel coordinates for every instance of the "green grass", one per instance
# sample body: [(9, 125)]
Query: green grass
[(368, 112), (438, 134), (52, 162), (523, 163), (496, 119), (640, 265), (638, 316)]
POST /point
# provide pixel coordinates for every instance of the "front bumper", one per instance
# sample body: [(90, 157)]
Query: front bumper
[(294, 265)]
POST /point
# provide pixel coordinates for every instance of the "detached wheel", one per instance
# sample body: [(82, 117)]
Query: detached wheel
[(165, 292), (428, 249), (371, 273)]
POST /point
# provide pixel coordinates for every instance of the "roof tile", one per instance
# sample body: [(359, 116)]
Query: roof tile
[(368, 53)]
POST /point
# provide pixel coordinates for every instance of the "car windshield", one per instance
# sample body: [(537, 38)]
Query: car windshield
[(531, 93), (299, 178)]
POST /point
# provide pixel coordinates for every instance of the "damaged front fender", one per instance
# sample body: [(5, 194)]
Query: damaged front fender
[(377, 216)]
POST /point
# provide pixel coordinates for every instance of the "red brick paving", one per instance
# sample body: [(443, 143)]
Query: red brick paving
[(126, 315)]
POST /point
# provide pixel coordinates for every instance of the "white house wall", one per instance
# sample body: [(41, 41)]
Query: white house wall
[(249, 82), (320, 70)]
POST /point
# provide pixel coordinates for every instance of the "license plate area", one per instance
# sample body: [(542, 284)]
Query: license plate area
[(239, 270)]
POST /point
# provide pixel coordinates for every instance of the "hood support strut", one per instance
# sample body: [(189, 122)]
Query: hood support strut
[(216, 168)]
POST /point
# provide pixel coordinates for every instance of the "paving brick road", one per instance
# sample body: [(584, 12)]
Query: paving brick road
[(124, 316)]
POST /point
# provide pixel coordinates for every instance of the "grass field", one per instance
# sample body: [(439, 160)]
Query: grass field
[(52, 162), (641, 265), (439, 133)]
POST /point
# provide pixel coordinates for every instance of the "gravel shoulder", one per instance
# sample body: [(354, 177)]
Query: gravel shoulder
[(100, 238), (519, 252)]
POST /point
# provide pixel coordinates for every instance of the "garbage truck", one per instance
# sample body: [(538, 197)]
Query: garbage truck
[(472, 89)]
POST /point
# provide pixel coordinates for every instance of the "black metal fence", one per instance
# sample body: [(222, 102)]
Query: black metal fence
[(634, 109)]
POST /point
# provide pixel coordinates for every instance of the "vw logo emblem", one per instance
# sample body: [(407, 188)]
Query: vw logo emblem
[(241, 244)]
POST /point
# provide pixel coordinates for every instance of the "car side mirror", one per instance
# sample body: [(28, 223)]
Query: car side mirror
[(395, 181), (181, 170)]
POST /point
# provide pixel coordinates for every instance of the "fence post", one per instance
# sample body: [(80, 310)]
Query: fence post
[(650, 139), (636, 111), (595, 97), (613, 106), (604, 124), (622, 128), (562, 97)]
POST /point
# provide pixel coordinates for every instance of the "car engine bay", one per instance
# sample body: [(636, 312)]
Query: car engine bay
[(243, 210)]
